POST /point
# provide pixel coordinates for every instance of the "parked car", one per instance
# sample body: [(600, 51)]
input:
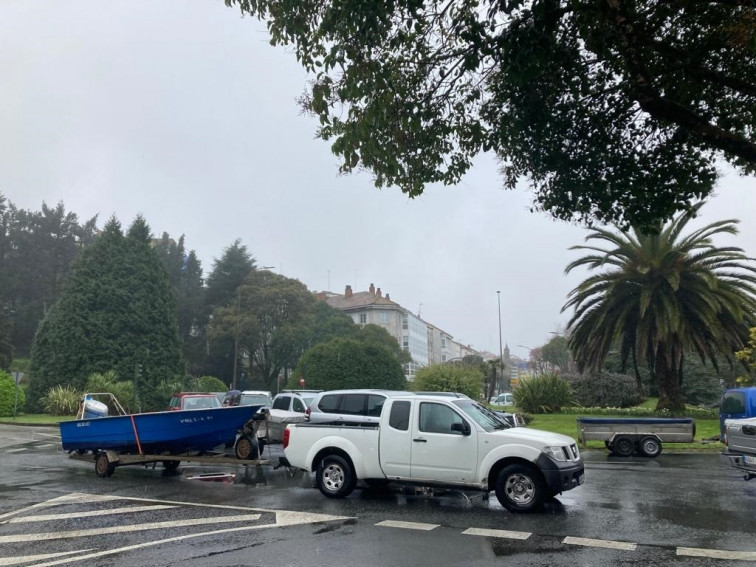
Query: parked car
[(248, 398), (193, 400), (288, 407), (505, 399), (354, 406)]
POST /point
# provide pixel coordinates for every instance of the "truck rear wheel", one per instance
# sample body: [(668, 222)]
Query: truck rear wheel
[(650, 447), (520, 488), (335, 477), (623, 446)]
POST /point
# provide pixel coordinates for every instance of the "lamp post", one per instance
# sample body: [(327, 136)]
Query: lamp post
[(501, 351)]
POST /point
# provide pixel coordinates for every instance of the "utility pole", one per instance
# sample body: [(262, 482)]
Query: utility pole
[(236, 337), (501, 351)]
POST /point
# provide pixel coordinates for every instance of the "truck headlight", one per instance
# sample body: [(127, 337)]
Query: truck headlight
[(556, 453)]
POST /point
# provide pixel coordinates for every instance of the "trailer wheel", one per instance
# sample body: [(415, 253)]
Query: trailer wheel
[(650, 447), (103, 467), (171, 465), (623, 446), (520, 488), (335, 477), (246, 448)]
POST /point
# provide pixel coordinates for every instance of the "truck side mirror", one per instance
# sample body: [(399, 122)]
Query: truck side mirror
[(462, 428)]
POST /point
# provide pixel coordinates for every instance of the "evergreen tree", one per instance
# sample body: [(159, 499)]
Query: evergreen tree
[(228, 274), (6, 349), (185, 274), (116, 312), (36, 252)]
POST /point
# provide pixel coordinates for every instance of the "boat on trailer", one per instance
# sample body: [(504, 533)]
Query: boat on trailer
[(164, 436)]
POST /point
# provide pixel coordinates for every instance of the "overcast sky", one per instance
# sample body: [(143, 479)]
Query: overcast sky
[(181, 110)]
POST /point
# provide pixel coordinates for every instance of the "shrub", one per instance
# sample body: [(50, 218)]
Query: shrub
[(604, 389), (467, 380), (122, 390), (61, 400), (207, 384), (8, 395), (547, 393)]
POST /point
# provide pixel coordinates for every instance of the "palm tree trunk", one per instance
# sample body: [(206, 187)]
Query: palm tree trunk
[(638, 381), (666, 369)]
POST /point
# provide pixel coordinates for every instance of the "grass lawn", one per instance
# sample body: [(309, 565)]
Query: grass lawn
[(36, 419)]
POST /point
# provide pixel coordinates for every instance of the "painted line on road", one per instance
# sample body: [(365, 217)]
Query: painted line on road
[(407, 525), (128, 528), (717, 553), (506, 534), (16, 450), (46, 517), (4, 561), (604, 543)]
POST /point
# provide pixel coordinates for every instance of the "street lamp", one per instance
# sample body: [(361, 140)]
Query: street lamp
[(501, 351)]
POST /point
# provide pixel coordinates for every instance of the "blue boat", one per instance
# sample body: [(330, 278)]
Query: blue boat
[(164, 432)]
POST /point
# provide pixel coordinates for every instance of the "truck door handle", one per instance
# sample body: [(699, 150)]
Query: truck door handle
[(420, 440)]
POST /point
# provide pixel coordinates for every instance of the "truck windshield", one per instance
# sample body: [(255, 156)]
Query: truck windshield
[(481, 415)]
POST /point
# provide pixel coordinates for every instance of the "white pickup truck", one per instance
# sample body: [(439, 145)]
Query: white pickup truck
[(438, 442)]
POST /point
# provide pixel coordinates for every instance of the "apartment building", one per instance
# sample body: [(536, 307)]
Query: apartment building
[(426, 343)]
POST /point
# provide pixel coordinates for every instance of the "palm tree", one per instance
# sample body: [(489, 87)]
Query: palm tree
[(662, 294)]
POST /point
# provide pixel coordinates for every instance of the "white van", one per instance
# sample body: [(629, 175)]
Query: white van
[(505, 399)]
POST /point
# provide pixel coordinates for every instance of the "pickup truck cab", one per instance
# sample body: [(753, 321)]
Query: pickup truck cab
[(736, 403), (438, 441)]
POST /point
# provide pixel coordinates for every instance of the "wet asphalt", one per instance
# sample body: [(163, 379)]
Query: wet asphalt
[(640, 511)]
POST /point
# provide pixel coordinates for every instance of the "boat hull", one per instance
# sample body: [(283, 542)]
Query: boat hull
[(158, 432)]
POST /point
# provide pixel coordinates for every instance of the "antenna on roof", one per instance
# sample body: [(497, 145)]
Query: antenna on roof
[(420, 310)]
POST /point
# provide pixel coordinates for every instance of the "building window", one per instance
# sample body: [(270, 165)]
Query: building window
[(405, 324), (363, 318), (384, 317)]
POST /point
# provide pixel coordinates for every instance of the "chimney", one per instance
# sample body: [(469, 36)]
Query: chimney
[(387, 297), (372, 289), (348, 291), (378, 292), (321, 295)]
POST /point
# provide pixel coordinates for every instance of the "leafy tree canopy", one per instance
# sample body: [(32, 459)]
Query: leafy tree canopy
[(349, 363), (612, 109), (464, 379)]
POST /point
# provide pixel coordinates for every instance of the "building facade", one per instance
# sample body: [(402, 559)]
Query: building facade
[(426, 343)]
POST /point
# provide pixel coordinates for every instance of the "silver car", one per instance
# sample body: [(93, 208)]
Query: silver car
[(349, 407)]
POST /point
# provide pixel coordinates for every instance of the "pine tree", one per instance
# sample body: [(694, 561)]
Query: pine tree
[(116, 312)]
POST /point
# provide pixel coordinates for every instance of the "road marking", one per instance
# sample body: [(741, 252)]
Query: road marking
[(717, 553), (46, 517), (283, 518), (496, 533), (407, 525), (29, 558), (128, 528), (607, 544), (16, 450)]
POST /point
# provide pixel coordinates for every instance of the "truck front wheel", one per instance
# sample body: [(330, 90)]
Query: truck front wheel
[(335, 477), (520, 488)]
